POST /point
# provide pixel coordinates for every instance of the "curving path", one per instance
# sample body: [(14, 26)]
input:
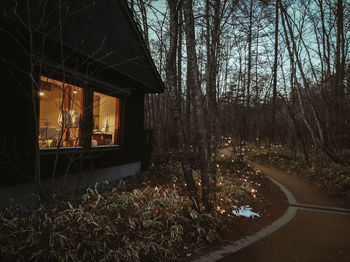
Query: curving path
[(319, 231)]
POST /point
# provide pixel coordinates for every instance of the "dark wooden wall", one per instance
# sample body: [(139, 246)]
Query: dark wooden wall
[(17, 120), (17, 136)]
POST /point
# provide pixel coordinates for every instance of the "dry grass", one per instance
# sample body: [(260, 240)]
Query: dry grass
[(335, 179), (142, 218), (149, 224)]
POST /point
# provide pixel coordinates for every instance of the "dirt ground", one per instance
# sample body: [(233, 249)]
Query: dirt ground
[(269, 202)]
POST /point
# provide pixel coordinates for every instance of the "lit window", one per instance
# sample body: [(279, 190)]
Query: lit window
[(60, 114), (106, 120)]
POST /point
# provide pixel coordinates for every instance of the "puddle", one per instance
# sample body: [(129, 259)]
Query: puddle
[(244, 211)]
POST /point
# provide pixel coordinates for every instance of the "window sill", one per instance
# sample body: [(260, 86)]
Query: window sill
[(61, 150), (53, 150), (105, 147)]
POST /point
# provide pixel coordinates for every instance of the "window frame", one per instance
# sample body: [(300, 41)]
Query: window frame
[(86, 129)]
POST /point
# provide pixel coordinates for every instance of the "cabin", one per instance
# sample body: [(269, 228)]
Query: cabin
[(74, 75)]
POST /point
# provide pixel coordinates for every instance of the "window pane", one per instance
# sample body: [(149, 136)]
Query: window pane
[(60, 113), (106, 120)]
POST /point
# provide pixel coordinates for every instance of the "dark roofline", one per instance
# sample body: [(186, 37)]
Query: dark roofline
[(124, 7), (136, 28)]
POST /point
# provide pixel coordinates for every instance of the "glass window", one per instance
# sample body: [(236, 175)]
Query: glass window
[(106, 120), (60, 114)]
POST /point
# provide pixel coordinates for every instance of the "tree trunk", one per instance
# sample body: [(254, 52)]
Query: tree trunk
[(274, 88), (198, 114), (212, 41), (176, 99)]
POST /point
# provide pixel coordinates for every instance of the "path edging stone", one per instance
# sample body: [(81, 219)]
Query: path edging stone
[(244, 242)]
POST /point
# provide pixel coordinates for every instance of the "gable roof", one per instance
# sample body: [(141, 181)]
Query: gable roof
[(106, 31), (136, 28), (103, 31)]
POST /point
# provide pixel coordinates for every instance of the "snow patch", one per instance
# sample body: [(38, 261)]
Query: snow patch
[(244, 211)]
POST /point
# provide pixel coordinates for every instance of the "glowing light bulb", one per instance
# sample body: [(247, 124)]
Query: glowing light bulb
[(41, 93)]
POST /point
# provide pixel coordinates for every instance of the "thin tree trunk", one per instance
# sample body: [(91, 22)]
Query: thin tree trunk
[(176, 100), (274, 88), (198, 114), (249, 40), (317, 141), (212, 41)]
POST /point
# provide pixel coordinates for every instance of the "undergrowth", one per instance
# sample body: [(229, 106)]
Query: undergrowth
[(328, 175), (150, 224), (147, 217)]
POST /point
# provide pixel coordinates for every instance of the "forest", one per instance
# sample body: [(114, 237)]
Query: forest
[(261, 72)]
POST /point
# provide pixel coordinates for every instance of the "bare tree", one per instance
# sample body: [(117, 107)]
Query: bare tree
[(274, 88), (198, 114), (318, 136), (171, 75)]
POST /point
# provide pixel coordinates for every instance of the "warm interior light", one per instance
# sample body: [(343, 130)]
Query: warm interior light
[(74, 91), (53, 114)]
